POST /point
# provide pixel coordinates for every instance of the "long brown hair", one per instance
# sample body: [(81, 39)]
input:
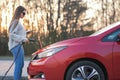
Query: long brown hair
[(16, 15)]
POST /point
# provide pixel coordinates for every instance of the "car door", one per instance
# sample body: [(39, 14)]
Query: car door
[(116, 60), (113, 37)]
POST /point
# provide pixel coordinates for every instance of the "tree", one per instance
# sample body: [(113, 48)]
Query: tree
[(56, 20)]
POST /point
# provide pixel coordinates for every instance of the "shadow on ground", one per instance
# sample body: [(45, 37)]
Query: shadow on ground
[(11, 78)]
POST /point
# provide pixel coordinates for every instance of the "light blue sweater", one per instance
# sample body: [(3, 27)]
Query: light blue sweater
[(16, 35)]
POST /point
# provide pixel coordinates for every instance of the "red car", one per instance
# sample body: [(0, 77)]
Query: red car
[(94, 57)]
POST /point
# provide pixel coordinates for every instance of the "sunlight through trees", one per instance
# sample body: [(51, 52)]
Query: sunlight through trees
[(56, 20)]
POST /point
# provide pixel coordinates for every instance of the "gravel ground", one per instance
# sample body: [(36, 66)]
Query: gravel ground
[(5, 63)]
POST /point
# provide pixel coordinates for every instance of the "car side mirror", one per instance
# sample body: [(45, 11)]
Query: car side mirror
[(118, 38)]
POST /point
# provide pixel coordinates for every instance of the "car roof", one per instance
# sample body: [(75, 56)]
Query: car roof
[(106, 28)]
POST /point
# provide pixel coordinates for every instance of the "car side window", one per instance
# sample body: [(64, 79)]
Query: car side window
[(112, 36)]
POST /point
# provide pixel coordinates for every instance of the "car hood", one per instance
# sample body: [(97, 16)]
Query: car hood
[(68, 41)]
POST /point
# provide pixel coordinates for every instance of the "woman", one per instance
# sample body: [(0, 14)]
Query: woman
[(17, 35)]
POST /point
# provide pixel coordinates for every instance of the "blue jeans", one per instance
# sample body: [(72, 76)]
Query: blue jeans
[(18, 52)]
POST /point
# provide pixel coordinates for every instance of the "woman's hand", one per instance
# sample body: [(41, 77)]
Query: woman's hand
[(27, 41), (28, 32)]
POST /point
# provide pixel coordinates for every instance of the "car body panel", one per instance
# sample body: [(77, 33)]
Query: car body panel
[(116, 60), (83, 48)]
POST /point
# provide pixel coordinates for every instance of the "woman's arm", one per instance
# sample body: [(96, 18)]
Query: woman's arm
[(14, 36)]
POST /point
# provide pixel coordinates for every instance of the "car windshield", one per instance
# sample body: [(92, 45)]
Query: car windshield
[(105, 29)]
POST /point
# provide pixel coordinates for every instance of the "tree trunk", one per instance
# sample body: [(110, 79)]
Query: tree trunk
[(58, 16)]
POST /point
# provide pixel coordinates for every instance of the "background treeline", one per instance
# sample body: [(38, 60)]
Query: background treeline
[(56, 20)]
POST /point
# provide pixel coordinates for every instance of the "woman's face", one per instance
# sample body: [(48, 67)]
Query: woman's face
[(22, 14)]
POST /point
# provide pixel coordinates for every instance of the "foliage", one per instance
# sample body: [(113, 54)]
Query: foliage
[(56, 20)]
